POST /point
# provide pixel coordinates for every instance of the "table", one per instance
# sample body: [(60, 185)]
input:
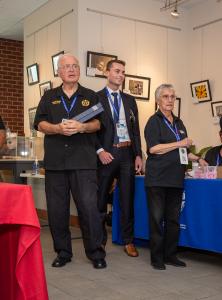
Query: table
[(22, 274), (17, 165), (201, 214)]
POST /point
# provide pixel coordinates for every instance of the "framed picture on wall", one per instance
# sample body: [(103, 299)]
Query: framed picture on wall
[(96, 63), (216, 108), (45, 86), (32, 112), (201, 91), (55, 59), (177, 107), (137, 86), (33, 74)]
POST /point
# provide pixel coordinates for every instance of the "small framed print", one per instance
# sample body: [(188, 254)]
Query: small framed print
[(216, 108), (176, 109), (55, 59), (45, 86), (32, 112), (200, 91), (96, 63), (137, 86), (33, 74)]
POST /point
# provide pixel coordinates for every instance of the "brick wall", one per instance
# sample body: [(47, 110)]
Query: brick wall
[(11, 85)]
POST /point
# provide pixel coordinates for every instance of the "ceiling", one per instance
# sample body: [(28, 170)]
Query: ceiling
[(12, 13), (187, 4)]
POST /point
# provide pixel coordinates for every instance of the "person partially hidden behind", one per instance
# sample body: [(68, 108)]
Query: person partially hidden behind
[(214, 156), (2, 133), (119, 150), (70, 162), (167, 145)]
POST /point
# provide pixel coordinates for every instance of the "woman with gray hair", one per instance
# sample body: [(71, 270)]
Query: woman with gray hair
[(168, 154)]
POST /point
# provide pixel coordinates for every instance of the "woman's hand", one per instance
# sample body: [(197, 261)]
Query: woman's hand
[(187, 142)]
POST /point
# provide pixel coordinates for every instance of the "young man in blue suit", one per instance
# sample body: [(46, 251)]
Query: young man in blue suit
[(119, 150)]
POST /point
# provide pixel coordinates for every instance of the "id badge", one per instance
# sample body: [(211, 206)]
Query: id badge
[(121, 130), (183, 156)]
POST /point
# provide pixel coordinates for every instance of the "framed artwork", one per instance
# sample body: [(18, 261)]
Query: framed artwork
[(32, 112), (137, 86), (45, 86), (96, 63), (177, 107), (216, 108), (201, 91), (33, 74), (55, 59)]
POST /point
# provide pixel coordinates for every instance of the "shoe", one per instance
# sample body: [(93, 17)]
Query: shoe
[(99, 263), (130, 250), (175, 262), (158, 266), (60, 261)]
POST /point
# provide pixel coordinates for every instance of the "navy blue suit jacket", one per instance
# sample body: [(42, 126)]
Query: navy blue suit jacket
[(106, 134)]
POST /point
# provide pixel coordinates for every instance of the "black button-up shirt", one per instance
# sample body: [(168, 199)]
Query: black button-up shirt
[(2, 126), (67, 152)]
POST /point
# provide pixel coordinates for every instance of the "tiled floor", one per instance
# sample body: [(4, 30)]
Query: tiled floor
[(131, 278)]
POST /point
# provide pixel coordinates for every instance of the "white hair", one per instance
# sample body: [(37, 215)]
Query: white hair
[(62, 56), (161, 88)]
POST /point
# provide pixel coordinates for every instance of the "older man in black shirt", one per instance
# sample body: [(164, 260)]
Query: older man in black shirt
[(70, 162)]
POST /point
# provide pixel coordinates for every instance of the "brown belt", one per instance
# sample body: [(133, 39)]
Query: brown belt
[(122, 144)]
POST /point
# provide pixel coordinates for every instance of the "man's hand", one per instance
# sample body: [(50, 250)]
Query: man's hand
[(105, 157), (138, 164), (70, 127)]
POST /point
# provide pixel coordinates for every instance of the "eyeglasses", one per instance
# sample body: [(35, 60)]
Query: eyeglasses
[(166, 97), (69, 67)]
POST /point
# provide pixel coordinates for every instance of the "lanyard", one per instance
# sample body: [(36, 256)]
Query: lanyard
[(175, 132), (218, 159), (111, 102), (71, 106)]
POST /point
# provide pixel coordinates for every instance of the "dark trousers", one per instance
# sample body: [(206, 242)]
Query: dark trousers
[(164, 209), (83, 186), (122, 168)]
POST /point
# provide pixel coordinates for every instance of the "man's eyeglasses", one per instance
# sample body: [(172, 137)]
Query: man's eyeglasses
[(69, 67)]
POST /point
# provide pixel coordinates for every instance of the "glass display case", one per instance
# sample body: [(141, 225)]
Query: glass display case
[(21, 147)]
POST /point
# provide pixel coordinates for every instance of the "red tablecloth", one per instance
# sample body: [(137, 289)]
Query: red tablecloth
[(22, 275)]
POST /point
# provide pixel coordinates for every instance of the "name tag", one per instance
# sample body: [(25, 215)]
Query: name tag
[(121, 130), (183, 156)]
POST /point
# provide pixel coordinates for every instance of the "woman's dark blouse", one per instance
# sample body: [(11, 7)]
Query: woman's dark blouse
[(163, 170)]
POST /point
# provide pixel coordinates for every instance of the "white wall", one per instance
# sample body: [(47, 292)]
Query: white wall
[(164, 55), (204, 48), (49, 30), (149, 50)]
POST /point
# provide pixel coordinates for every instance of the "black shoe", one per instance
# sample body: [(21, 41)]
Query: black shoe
[(175, 262), (60, 261), (158, 266), (99, 263)]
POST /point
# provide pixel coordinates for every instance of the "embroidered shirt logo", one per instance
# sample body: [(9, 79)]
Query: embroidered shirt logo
[(56, 102), (85, 102)]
